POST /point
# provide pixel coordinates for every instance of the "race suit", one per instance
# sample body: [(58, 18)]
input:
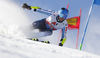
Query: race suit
[(51, 23)]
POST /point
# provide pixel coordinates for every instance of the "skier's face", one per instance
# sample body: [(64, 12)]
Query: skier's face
[(61, 19)]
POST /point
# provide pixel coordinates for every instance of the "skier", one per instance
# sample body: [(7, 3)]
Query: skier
[(55, 21)]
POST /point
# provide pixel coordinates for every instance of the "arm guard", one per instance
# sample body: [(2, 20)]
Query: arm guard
[(40, 10)]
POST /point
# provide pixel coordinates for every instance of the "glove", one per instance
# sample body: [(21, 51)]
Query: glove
[(62, 41), (26, 6), (60, 44)]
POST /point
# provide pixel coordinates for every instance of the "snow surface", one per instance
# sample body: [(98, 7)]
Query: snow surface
[(13, 33)]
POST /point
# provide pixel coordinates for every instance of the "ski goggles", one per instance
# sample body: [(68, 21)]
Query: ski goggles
[(62, 16)]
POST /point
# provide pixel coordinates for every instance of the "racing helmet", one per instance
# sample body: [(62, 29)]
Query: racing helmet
[(63, 13)]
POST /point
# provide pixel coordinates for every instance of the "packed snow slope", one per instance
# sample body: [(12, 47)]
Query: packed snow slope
[(21, 48), (13, 34)]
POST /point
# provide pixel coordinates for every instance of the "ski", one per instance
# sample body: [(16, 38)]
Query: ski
[(35, 39)]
